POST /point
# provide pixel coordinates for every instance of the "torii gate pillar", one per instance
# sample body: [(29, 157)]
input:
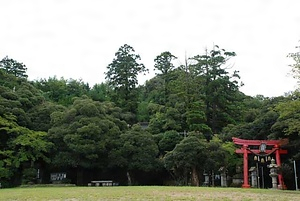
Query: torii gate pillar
[(262, 152), (246, 181)]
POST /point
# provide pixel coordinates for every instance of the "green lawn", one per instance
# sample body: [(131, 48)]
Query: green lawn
[(145, 193)]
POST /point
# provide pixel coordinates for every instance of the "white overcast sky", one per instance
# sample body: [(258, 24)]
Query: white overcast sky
[(78, 38)]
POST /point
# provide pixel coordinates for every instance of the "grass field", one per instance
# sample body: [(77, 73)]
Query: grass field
[(145, 193)]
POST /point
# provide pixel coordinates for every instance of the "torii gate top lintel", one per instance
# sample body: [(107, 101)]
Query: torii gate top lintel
[(239, 141)]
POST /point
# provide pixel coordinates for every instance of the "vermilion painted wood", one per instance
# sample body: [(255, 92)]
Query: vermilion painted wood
[(241, 151), (245, 150), (239, 141)]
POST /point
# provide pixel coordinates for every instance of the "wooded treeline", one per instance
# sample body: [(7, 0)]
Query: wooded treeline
[(169, 131)]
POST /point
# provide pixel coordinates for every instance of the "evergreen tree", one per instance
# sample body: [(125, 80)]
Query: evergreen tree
[(13, 67), (296, 65), (220, 89), (163, 63), (122, 77)]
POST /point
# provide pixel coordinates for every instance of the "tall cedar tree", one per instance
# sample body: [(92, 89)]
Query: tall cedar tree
[(122, 77), (163, 63), (220, 88)]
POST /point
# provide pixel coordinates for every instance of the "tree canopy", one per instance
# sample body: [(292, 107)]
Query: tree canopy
[(172, 129), (122, 75), (13, 67)]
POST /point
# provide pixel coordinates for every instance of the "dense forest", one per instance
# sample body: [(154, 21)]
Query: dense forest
[(171, 130)]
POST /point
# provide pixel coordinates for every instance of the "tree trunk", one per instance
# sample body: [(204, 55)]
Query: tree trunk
[(195, 178), (129, 179), (213, 179)]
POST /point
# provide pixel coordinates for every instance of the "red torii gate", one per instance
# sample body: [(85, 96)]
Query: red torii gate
[(262, 151)]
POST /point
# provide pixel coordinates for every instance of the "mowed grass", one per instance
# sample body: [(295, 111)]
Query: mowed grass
[(145, 193)]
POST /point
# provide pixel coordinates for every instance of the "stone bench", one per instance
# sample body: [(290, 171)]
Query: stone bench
[(103, 183)]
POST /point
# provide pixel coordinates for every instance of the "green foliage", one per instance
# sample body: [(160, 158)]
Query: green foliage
[(216, 155), (204, 94), (40, 115), (155, 90), (191, 153), (79, 128), (13, 67), (19, 146), (232, 160), (142, 112), (29, 96), (163, 62), (169, 140), (100, 92), (122, 72), (220, 89), (62, 91), (288, 122), (137, 150), (84, 133), (122, 77), (6, 164), (8, 80), (29, 176), (296, 65), (260, 125), (18, 99), (196, 120), (30, 145), (167, 119)]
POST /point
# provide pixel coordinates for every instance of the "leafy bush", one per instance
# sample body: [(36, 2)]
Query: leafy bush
[(29, 176)]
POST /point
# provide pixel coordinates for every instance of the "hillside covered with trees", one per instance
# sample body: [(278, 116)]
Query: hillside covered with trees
[(169, 131)]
